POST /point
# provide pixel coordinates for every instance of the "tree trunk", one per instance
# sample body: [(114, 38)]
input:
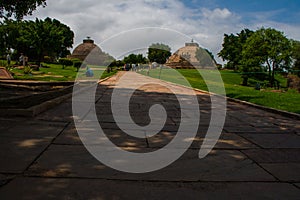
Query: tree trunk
[(270, 74), (273, 75), (245, 81)]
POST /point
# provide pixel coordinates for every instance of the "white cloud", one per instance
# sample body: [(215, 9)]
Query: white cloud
[(103, 19)]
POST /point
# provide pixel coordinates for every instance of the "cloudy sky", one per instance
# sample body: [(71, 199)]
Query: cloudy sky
[(170, 21)]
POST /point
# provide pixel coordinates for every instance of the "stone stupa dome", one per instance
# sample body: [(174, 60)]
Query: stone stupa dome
[(186, 57), (88, 49)]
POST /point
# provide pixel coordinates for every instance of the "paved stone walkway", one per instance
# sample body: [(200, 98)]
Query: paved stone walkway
[(257, 156)]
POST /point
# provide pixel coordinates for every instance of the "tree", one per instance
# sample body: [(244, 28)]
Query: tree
[(232, 48), (296, 57), (9, 31), (141, 59), (133, 59), (19, 8), (159, 53), (267, 47), (44, 38), (65, 62)]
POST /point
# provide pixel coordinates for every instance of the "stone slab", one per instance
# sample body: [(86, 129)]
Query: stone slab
[(5, 178), (274, 140), (70, 137), (32, 131), (16, 154), (6, 124), (273, 155), (240, 129), (232, 141), (61, 113), (219, 165), (284, 171), (226, 141), (37, 188), (22, 143), (75, 161)]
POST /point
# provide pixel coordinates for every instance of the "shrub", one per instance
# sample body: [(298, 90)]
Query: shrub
[(65, 62), (49, 60), (77, 65), (294, 82), (27, 70), (75, 59)]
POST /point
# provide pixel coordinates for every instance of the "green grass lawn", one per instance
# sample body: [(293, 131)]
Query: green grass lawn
[(55, 72), (284, 100)]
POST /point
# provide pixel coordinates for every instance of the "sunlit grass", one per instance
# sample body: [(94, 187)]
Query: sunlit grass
[(283, 99), (55, 72)]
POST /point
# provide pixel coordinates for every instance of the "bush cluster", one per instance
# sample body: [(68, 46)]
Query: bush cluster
[(65, 62)]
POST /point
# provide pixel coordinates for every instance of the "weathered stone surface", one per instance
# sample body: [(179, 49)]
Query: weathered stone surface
[(17, 154), (33, 131), (22, 143), (274, 155), (274, 140), (61, 113), (73, 161), (118, 137), (6, 124), (226, 141), (219, 165), (37, 188), (256, 157), (240, 129), (284, 171), (5, 178)]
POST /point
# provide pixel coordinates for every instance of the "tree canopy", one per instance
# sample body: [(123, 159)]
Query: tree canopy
[(134, 59), (232, 48), (270, 48), (263, 50), (159, 53), (19, 8), (37, 38)]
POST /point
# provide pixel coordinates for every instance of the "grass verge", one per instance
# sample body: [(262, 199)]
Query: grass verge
[(287, 100), (55, 72)]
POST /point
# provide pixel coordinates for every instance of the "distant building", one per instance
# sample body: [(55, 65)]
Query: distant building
[(185, 57), (91, 53)]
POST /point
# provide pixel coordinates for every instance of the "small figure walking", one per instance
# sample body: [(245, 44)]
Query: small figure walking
[(21, 59), (8, 59)]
